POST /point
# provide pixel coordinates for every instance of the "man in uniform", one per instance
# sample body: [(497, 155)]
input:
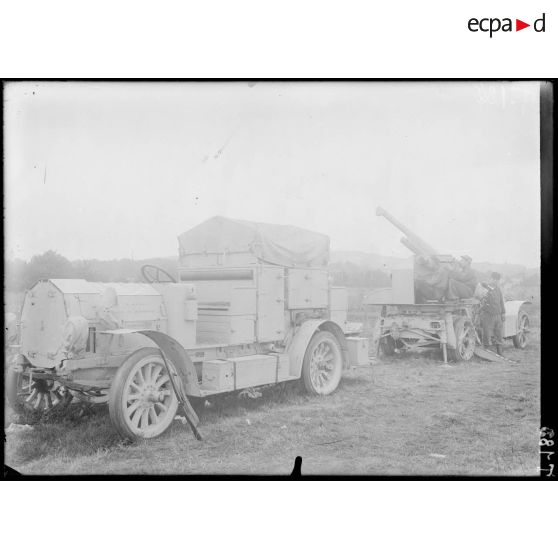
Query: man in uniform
[(462, 280), (493, 313), (431, 279)]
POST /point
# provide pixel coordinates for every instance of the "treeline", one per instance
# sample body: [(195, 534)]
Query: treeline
[(348, 274), (20, 275)]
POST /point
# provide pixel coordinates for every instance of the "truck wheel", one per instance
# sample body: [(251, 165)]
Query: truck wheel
[(322, 365), (42, 396), (465, 340), (142, 403), (521, 337), (388, 345)]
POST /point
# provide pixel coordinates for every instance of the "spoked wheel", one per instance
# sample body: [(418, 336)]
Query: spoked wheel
[(465, 340), (520, 339), (35, 395), (323, 364), (142, 403)]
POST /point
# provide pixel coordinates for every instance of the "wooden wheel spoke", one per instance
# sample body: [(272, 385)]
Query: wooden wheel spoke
[(162, 381), (144, 422), (147, 372), (162, 406), (38, 400), (153, 415), (135, 419), (139, 376), (132, 408), (157, 369)]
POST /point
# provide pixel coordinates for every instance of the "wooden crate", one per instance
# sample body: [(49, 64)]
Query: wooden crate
[(217, 375), (358, 350), (254, 370)]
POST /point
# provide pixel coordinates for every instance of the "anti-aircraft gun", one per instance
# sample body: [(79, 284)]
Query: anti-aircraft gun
[(418, 246), (405, 324)]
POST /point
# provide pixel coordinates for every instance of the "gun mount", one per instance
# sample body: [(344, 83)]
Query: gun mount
[(414, 318), (418, 246)]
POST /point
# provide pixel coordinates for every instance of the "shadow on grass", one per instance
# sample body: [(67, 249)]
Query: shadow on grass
[(79, 430), (231, 404)]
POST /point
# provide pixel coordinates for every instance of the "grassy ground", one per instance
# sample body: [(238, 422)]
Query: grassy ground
[(407, 415)]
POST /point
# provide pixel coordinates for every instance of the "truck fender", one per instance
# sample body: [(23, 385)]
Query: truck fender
[(296, 349), (173, 351), (513, 308)]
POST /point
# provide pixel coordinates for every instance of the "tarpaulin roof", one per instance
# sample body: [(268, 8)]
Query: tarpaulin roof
[(275, 244)]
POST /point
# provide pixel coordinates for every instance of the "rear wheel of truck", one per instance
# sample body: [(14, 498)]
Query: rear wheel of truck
[(521, 337), (142, 402), (465, 337), (323, 364), (27, 394), (388, 345)]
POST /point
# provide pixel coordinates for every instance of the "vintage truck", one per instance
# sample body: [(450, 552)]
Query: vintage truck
[(452, 326), (252, 306)]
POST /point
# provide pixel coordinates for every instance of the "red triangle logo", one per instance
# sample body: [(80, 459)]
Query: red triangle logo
[(519, 25)]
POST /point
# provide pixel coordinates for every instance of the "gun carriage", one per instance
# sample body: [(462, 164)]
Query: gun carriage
[(252, 306), (453, 326)]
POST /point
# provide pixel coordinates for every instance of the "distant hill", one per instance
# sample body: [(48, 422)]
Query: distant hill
[(371, 261), (505, 269), (386, 263)]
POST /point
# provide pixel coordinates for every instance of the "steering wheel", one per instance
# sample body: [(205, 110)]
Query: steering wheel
[(152, 274)]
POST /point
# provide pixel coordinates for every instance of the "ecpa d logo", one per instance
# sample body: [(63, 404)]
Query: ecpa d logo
[(492, 25)]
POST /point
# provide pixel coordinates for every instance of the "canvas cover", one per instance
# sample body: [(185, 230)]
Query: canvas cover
[(273, 244)]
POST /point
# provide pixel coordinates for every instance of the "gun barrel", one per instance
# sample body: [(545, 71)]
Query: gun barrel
[(413, 242), (413, 247)]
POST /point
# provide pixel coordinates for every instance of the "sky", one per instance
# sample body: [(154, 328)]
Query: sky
[(119, 170)]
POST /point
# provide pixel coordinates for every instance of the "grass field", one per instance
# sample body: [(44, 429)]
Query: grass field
[(407, 415)]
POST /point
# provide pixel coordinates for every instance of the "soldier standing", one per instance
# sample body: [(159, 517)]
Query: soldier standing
[(493, 313)]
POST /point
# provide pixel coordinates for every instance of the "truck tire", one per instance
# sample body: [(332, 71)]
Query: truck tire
[(465, 340), (142, 403), (520, 339), (388, 345), (323, 364), (43, 396)]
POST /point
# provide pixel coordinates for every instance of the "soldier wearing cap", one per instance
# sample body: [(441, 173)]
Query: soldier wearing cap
[(463, 280), (493, 313), (431, 279)]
